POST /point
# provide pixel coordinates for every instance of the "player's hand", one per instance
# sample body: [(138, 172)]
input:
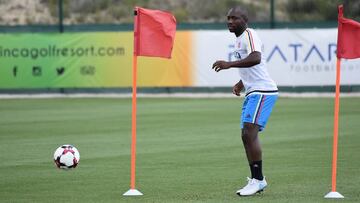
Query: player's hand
[(220, 65), (237, 88)]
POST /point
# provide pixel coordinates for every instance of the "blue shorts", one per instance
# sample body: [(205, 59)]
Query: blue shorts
[(257, 109)]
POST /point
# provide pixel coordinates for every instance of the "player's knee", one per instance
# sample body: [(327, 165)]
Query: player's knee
[(249, 132), (246, 135)]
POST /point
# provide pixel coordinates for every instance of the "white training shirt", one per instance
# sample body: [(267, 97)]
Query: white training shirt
[(255, 78)]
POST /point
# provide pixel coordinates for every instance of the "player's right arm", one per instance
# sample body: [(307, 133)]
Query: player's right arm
[(252, 59)]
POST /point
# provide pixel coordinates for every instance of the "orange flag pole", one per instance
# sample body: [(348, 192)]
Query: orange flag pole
[(133, 125), (133, 191), (333, 193), (336, 125)]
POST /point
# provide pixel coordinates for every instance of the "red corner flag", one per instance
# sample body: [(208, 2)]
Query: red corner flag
[(154, 33), (348, 44), (348, 47)]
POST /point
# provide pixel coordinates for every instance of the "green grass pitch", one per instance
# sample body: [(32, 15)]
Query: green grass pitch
[(188, 150)]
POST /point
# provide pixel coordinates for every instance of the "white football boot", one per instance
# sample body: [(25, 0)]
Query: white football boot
[(254, 186)]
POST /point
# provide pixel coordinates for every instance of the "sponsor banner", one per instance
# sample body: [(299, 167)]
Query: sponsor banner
[(87, 60), (65, 60), (295, 57), (306, 57)]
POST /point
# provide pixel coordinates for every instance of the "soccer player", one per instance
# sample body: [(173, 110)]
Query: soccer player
[(260, 93)]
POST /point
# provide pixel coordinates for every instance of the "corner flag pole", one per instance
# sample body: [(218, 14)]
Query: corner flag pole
[(333, 193), (133, 125), (133, 191), (336, 125)]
